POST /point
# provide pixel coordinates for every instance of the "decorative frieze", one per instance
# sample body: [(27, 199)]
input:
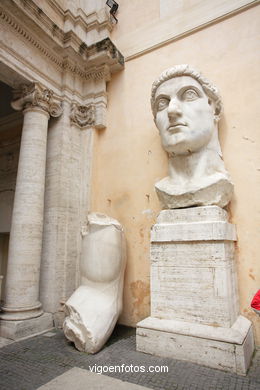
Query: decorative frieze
[(36, 95), (83, 115)]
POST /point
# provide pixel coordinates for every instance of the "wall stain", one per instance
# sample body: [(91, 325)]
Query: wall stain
[(141, 294), (249, 139), (121, 200), (251, 275)]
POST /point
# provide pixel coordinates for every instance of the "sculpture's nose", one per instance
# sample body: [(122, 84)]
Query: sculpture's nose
[(174, 109)]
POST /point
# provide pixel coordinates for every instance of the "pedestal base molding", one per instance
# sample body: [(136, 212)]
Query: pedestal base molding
[(16, 330), (228, 349)]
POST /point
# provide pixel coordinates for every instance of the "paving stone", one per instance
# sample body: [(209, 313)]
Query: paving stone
[(31, 363)]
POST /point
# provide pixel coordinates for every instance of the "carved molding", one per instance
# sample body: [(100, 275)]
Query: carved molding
[(72, 60), (98, 73), (98, 20), (36, 95), (26, 35), (83, 115)]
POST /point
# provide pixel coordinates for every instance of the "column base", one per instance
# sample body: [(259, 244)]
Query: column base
[(228, 349), (16, 330), (21, 313)]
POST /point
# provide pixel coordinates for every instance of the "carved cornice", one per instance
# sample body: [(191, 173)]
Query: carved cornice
[(98, 73), (26, 35), (106, 45), (83, 115), (91, 73), (36, 95), (73, 53), (94, 20)]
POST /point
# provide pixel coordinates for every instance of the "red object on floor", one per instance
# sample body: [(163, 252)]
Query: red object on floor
[(256, 301)]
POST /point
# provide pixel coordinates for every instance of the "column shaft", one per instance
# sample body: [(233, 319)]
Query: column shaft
[(22, 282)]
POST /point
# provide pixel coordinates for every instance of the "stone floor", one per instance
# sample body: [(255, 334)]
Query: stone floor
[(32, 363)]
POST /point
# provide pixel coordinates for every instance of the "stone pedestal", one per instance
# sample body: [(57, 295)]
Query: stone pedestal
[(194, 300)]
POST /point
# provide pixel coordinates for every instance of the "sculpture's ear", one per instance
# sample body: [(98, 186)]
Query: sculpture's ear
[(216, 115), (216, 109)]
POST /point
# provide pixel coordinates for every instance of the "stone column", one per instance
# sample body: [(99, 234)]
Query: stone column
[(23, 270)]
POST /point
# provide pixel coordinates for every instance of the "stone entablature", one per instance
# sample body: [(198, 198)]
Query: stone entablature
[(64, 49), (57, 21)]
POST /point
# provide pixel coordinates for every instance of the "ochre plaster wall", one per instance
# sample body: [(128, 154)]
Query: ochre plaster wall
[(129, 158)]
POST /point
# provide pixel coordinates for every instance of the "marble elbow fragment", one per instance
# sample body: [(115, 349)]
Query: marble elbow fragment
[(93, 309)]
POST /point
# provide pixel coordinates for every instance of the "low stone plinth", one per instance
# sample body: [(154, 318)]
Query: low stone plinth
[(16, 330), (228, 349)]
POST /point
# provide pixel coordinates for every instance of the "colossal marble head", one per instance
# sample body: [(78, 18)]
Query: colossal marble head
[(186, 109)]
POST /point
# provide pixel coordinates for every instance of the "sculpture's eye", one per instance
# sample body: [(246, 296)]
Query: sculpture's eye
[(190, 94), (162, 103)]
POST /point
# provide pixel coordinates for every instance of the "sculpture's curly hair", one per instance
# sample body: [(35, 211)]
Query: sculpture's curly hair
[(186, 70)]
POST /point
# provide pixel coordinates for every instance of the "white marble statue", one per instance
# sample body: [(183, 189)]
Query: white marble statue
[(93, 309), (186, 109)]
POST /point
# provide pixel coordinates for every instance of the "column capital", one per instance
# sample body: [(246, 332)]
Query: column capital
[(83, 115), (36, 95)]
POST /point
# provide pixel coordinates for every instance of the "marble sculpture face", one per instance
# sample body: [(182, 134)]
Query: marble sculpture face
[(184, 115)]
